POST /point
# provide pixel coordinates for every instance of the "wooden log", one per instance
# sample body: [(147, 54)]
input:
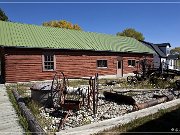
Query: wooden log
[(34, 126), (118, 98)]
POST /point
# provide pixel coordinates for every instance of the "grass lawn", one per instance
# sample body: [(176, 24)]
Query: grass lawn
[(163, 121)]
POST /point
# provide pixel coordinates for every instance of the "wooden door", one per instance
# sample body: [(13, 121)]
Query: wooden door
[(119, 68)]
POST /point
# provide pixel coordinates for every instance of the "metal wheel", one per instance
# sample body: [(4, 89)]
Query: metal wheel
[(58, 87), (132, 80)]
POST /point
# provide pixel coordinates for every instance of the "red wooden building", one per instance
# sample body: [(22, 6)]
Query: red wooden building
[(34, 53)]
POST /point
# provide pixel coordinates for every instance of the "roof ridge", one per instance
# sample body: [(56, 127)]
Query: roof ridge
[(18, 23)]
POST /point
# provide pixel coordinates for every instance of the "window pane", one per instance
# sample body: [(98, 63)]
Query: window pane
[(101, 63), (48, 62), (133, 62), (129, 62)]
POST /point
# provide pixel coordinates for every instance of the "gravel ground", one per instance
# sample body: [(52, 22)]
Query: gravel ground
[(106, 110)]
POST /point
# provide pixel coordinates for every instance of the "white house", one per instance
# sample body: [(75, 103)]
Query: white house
[(162, 58)]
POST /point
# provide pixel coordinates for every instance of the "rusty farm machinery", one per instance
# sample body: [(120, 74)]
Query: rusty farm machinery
[(146, 72), (58, 91), (63, 99)]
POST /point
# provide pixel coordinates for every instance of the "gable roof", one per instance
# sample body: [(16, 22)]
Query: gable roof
[(155, 47), (32, 36), (164, 45)]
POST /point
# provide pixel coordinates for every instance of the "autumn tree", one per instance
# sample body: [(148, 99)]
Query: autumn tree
[(175, 50), (62, 24), (3, 16), (130, 32)]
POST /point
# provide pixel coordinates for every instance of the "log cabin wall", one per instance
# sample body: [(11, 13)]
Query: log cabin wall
[(25, 64)]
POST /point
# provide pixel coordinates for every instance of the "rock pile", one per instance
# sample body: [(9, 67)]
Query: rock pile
[(105, 110)]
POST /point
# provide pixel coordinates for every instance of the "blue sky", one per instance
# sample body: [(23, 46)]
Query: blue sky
[(159, 22)]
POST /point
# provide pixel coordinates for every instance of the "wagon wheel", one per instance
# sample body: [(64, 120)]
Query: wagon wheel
[(153, 79), (57, 89), (63, 86), (129, 80), (132, 80)]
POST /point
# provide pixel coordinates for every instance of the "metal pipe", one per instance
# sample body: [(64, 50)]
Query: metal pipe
[(153, 102)]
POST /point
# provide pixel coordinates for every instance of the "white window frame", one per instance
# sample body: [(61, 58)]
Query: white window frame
[(45, 62), (103, 67), (131, 65)]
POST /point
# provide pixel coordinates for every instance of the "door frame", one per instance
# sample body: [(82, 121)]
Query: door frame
[(119, 59)]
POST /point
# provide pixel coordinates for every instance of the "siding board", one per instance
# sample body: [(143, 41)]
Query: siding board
[(26, 65)]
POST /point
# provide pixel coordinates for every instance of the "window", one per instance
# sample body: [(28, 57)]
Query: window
[(131, 63), (102, 63), (48, 62)]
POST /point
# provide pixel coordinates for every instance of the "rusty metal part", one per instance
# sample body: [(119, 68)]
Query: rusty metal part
[(132, 80), (119, 98), (93, 94), (71, 105), (113, 82), (63, 121), (58, 93), (153, 102), (58, 87), (178, 84)]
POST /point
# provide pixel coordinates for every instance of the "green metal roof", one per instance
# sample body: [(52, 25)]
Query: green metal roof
[(24, 35)]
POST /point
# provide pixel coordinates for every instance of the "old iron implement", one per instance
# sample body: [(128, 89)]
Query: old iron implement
[(158, 100), (112, 82), (57, 91), (178, 84), (146, 71), (40, 91), (71, 105), (119, 98)]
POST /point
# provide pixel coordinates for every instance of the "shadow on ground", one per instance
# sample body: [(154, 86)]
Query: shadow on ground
[(169, 122)]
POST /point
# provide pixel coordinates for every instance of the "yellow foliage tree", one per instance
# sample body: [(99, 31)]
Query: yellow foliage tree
[(62, 24)]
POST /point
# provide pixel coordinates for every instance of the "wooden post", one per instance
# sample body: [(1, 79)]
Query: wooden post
[(97, 91), (94, 100), (88, 97), (32, 122)]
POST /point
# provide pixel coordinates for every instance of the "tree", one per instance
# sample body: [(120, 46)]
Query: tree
[(175, 50), (62, 24), (130, 32), (3, 16)]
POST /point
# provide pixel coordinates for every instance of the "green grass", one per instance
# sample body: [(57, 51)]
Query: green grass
[(22, 120), (34, 106), (162, 121)]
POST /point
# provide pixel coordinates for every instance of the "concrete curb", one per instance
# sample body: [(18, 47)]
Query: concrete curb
[(110, 123), (8, 118)]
